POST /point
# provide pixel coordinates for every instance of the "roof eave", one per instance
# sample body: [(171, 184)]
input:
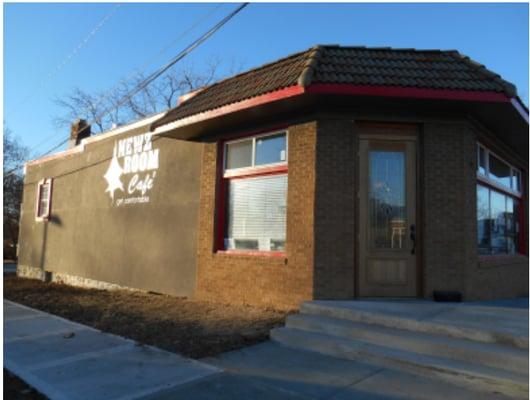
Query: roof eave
[(337, 89)]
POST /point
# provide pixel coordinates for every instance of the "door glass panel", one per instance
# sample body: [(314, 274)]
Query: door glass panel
[(387, 208)]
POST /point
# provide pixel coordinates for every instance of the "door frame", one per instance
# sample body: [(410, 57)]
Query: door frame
[(395, 131)]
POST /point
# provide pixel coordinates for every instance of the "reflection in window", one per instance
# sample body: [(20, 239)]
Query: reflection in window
[(270, 149), (387, 199), (497, 225), (483, 219), (481, 160), (499, 171), (257, 151)]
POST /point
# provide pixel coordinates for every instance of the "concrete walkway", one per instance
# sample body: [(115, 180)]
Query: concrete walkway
[(66, 360), (297, 374)]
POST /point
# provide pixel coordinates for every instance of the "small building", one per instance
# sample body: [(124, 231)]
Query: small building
[(333, 173)]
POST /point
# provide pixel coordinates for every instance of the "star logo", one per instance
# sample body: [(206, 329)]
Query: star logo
[(112, 176)]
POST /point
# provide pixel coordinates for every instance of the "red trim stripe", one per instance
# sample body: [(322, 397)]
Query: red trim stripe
[(408, 92), (255, 171)]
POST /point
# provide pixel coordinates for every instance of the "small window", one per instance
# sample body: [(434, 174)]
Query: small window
[(270, 149), (239, 154), (44, 196), (259, 151), (497, 172)]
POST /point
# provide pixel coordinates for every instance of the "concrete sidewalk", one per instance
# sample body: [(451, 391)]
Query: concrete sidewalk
[(66, 360)]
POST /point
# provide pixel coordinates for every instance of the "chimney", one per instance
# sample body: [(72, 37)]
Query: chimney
[(79, 131), (185, 97)]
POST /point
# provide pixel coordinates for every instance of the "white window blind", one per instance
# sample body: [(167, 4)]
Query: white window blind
[(256, 213)]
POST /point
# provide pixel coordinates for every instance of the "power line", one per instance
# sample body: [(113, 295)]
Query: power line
[(176, 59), (137, 72), (153, 75), (70, 55), (162, 51)]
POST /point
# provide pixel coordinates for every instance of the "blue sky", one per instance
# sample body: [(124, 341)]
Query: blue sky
[(38, 37)]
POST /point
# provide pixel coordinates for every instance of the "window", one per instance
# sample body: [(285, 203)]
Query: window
[(497, 222), (498, 205), (44, 196), (255, 185), (497, 172)]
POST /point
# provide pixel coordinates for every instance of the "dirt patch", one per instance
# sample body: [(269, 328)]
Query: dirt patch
[(16, 389), (193, 328)]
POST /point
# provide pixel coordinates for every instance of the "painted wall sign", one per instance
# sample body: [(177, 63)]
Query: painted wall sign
[(132, 170)]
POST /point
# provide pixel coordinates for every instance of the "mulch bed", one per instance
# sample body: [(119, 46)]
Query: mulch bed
[(192, 328)]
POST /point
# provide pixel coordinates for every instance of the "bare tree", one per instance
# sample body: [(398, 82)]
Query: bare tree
[(114, 107), (80, 104), (14, 155)]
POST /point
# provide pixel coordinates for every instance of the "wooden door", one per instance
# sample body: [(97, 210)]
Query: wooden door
[(387, 216)]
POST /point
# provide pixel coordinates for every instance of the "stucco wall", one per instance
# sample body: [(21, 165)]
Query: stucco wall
[(149, 246)]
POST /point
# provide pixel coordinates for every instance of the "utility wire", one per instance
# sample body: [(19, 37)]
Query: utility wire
[(151, 77), (144, 66), (138, 72), (142, 85), (72, 54)]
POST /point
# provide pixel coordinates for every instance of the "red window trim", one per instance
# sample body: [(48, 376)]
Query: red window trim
[(40, 184), (255, 171), (223, 177)]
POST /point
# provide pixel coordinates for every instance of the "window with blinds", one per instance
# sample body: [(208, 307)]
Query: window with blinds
[(256, 213), (256, 201)]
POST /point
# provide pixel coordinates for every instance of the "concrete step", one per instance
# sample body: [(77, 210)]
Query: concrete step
[(472, 376), (490, 354), (459, 322)]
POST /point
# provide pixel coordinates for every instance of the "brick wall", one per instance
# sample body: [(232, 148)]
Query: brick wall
[(335, 210), (451, 260), (449, 223), (262, 280)]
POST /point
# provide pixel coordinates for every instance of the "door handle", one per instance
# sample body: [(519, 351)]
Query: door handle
[(413, 238)]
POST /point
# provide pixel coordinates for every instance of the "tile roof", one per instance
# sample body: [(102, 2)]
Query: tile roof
[(411, 68)]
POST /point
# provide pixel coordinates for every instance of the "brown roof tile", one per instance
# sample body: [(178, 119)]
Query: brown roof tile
[(429, 69)]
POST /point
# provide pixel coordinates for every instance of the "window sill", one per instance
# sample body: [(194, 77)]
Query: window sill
[(501, 260), (252, 253)]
